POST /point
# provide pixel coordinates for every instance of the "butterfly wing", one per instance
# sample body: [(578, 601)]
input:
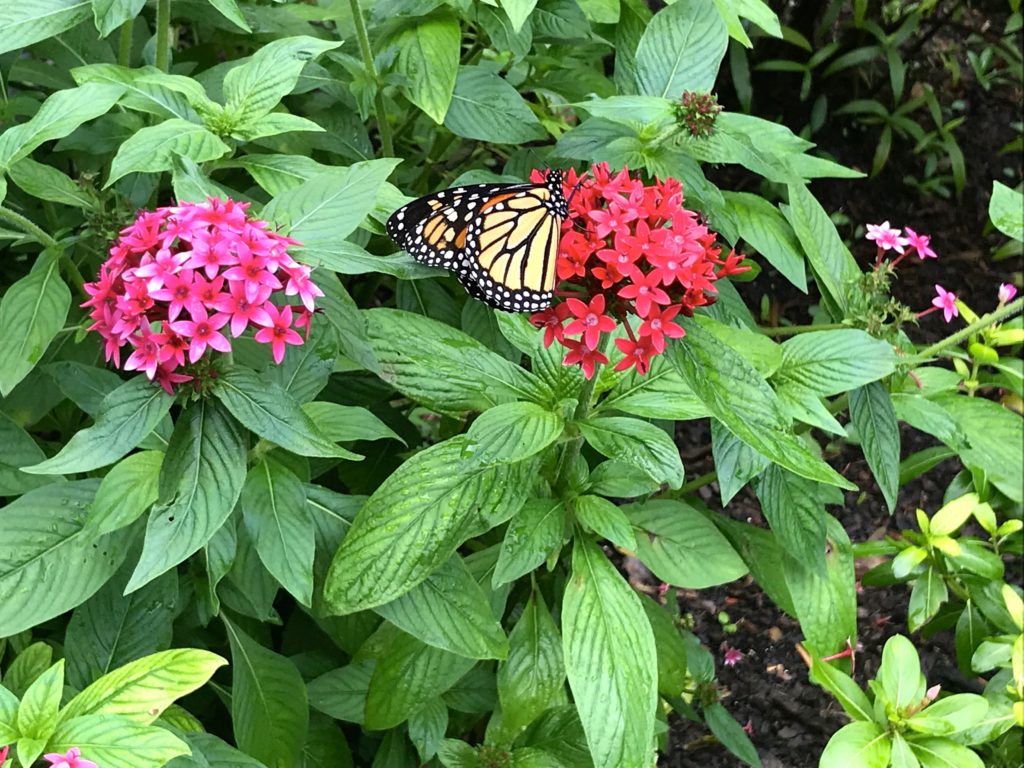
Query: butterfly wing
[(433, 228)]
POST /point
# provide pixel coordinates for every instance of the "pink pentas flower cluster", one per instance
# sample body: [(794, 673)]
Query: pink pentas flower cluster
[(888, 238), (629, 253), (70, 759), (183, 280)]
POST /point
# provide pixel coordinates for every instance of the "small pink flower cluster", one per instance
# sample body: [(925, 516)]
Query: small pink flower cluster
[(179, 274), (889, 239), (72, 759)]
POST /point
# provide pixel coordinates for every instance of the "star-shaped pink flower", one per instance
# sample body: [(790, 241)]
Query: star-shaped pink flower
[(946, 301)]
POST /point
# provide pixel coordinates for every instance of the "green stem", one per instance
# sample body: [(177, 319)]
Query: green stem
[(38, 234), (789, 330), (980, 324), (124, 44), (163, 34), (697, 482), (383, 126), (571, 449)]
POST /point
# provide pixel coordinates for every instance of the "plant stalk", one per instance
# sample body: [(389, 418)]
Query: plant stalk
[(124, 43), (163, 34), (980, 324), (387, 146), (789, 330)]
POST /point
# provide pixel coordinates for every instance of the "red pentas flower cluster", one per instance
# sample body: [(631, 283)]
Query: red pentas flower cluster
[(628, 249), (180, 274)]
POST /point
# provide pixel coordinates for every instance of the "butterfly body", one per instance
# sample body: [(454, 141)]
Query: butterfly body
[(500, 240)]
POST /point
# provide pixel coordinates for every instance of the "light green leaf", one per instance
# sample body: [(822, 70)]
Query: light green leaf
[(828, 362), (926, 598), (535, 531), (533, 677), (900, 673), (148, 90), (269, 710), (47, 564), (681, 50), (605, 519), (127, 415), (229, 10), (142, 689), (344, 423), (414, 521), (737, 395), (428, 58), (945, 753), (610, 660), (949, 715), (681, 546), (47, 183), (795, 509), (273, 414), (329, 206), (127, 490), (117, 742), (518, 11), (512, 432), (341, 693), (25, 23), (200, 481), (873, 415), (1006, 209), (444, 368), (763, 226), (407, 676), (111, 14), (450, 611), (849, 695), (857, 745), (154, 148), (254, 88), (427, 727), (8, 716), (32, 311), (486, 108), (275, 513), (37, 713), (638, 443)]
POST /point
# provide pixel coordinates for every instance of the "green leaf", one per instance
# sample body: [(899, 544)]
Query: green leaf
[(269, 712), (17, 450), (670, 646), (111, 14), (661, 394), (153, 149), (929, 417), (761, 552), (971, 628), (610, 660), (329, 206), (874, 417), (407, 676), (681, 50), (763, 226), (275, 513), (825, 602), (900, 673), (735, 461), (347, 423), (428, 58), (8, 716), (450, 611), (427, 727), (84, 385), (273, 414), (849, 695), (730, 733), (512, 432), (534, 532), (34, 20), (949, 715), (945, 753), (142, 689), (200, 480), (518, 11), (635, 442), (828, 362), (681, 546), (37, 713), (229, 10), (835, 271), (32, 311), (254, 88), (111, 629), (927, 596), (857, 745), (47, 565), (117, 742), (533, 677), (795, 509), (341, 693), (47, 183), (414, 521), (605, 519), (486, 108), (737, 395), (127, 490), (444, 368), (1006, 209), (127, 415)]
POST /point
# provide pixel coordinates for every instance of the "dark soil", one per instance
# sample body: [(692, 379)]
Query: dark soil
[(789, 718)]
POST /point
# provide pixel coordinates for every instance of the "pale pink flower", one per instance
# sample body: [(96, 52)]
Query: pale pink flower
[(946, 301), (1006, 292), (921, 244), (72, 759), (886, 238), (299, 283), (731, 657)]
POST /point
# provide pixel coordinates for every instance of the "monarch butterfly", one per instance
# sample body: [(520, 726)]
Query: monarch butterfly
[(500, 240)]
